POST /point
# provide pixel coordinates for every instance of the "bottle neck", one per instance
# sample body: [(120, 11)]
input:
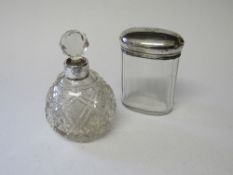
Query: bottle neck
[(76, 69)]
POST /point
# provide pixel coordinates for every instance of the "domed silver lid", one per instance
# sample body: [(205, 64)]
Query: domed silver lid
[(154, 43)]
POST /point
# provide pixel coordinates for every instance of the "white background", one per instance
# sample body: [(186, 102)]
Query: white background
[(195, 139)]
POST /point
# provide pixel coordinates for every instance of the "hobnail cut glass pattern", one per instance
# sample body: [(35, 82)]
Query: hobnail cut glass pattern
[(80, 110)]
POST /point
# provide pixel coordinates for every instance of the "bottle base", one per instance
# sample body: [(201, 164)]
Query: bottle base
[(81, 138)]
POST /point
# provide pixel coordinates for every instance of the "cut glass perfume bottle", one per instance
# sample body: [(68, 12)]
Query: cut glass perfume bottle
[(80, 105)]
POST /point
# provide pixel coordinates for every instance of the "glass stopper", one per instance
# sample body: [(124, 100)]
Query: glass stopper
[(74, 43)]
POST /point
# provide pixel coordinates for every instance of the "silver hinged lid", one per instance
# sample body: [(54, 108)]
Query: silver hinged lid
[(154, 43)]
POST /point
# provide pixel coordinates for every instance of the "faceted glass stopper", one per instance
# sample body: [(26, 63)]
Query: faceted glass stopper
[(74, 43)]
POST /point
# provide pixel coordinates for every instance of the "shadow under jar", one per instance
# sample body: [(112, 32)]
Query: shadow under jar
[(150, 58)]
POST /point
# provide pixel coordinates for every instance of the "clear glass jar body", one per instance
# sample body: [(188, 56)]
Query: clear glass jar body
[(148, 84)]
